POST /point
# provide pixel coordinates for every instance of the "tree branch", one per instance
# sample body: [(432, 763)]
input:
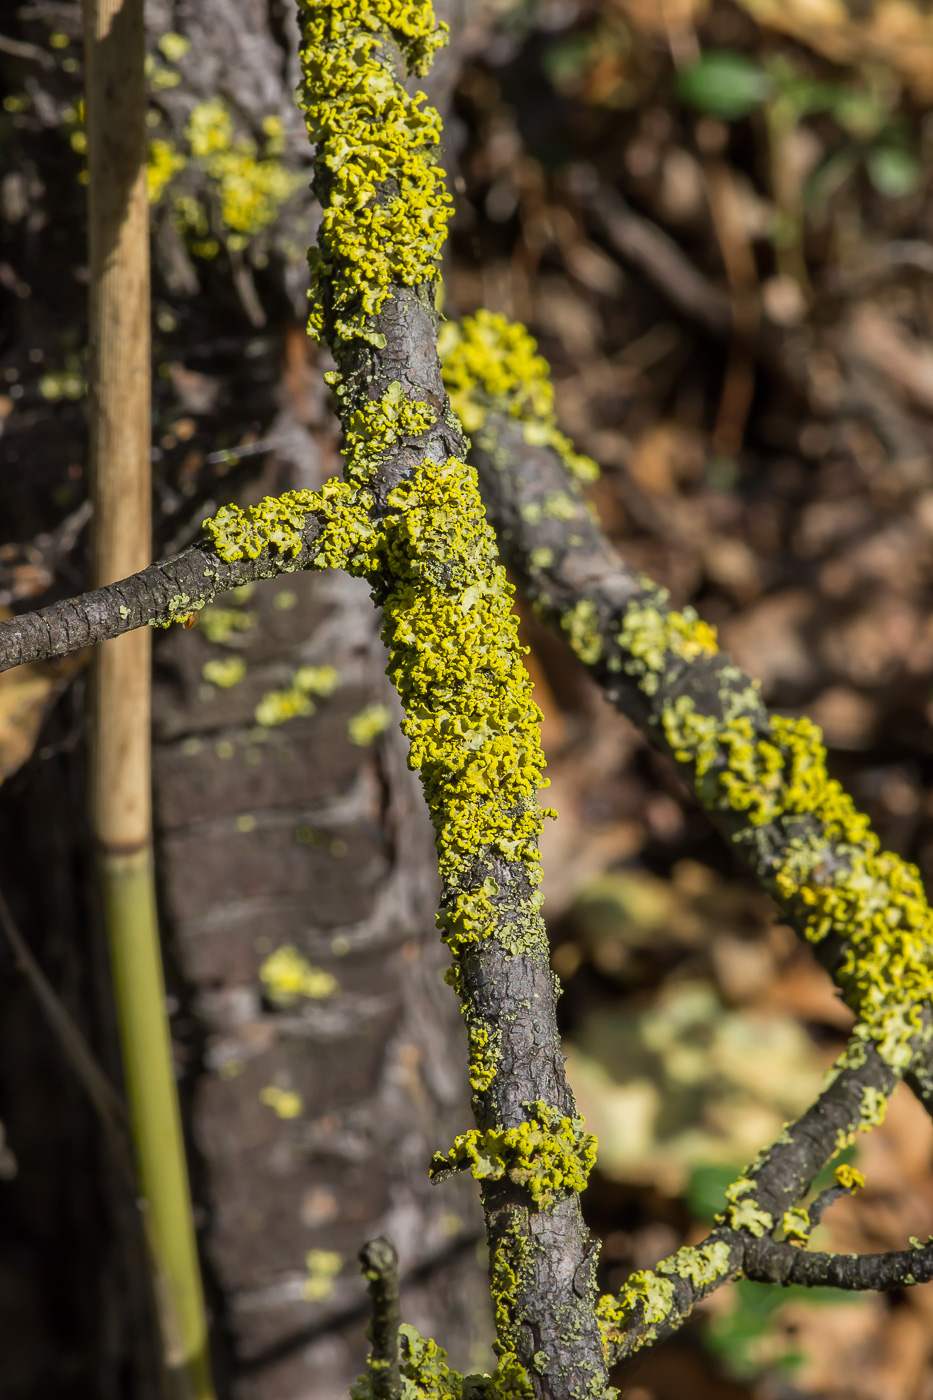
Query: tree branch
[(762, 779), (157, 596), (656, 1302), (379, 1263)]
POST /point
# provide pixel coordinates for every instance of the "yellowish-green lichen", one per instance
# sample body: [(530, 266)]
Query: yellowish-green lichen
[(581, 623), (225, 671), (368, 132), (484, 1056), (219, 625), (645, 1292), (548, 1155), (286, 976), (651, 636), (371, 721), (490, 363), (323, 1266), (849, 1177), (796, 1225), (164, 163), (828, 868), (425, 1372), (294, 701), (700, 1266), (285, 1103), (874, 1106), (744, 1212), (250, 187)]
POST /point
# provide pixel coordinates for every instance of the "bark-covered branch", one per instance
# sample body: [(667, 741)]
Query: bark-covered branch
[(768, 1261), (761, 778), (164, 593), (764, 1200)]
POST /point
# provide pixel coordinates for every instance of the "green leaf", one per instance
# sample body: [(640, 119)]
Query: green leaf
[(706, 1189), (893, 171), (726, 84)]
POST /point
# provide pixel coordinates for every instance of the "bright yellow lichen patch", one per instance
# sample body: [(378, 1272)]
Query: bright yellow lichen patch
[(323, 1266), (651, 636), (294, 701), (369, 131), (287, 976), (848, 1177), (455, 659), (492, 363), (225, 671), (371, 721), (250, 187), (547, 1155), (285, 1103)]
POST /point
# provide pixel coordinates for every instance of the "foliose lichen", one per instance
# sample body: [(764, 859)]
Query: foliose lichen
[(548, 1154), (828, 867), (386, 208), (490, 363), (796, 1225), (744, 1212), (849, 1177)]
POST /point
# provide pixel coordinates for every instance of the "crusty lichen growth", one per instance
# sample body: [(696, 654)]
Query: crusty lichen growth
[(385, 215), (490, 363), (548, 1155), (827, 867)]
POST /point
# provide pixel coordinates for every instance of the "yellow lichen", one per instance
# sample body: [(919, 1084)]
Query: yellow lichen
[(285, 1103), (701, 1266), (874, 1106), (250, 187), (370, 722), (490, 363), (220, 624), (287, 976), (828, 867), (224, 671), (164, 163), (646, 1294), (796, 1226), (323, 1266), (368, 131), (547, 1155), (743, 1211), (294, 701), (849, 1177)]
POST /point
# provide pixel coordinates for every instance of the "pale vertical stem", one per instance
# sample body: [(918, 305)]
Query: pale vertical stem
[(119, 383)]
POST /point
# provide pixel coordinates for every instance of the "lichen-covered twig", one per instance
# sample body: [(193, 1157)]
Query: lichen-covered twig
[(379, 1263), (762, 778), (164, 593), (764, 1200)]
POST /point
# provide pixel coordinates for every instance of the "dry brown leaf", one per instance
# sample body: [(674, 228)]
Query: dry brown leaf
[(896, 32)]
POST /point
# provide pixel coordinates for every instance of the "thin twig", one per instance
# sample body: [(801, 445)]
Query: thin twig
[(379, 1262)]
